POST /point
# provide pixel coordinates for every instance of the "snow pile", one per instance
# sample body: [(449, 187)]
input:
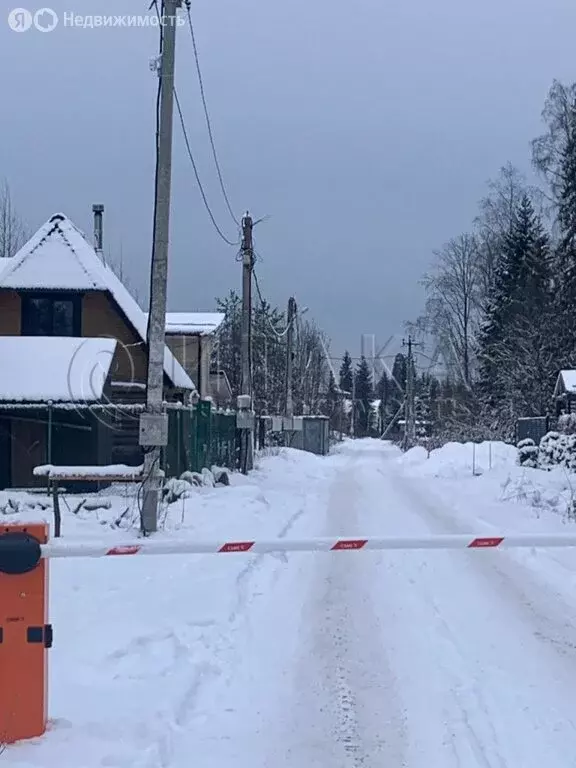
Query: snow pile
[(491, 472), (460, 459)]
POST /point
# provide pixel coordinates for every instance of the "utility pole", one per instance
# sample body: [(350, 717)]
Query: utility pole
[(154, 421), (246, 445), (291, 317), (410, 400), (353, 414)]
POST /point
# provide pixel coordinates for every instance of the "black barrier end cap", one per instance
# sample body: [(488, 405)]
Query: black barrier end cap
[(19, 553)]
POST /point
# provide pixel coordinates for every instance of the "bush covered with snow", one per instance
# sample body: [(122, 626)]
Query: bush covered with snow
[(551, 450), (528, 453), (567, 423), (555, 450)]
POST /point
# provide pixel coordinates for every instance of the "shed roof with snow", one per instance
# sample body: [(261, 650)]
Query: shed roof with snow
[(565, 384), (193, 323), (39, 369), (59, 257)]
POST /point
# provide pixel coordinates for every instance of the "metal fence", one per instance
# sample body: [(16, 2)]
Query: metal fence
[(314, 436), (198, 437), (533, 427)]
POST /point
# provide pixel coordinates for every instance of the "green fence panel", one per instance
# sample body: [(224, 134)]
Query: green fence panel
[(199, 437), (203, 434), (223, 452)]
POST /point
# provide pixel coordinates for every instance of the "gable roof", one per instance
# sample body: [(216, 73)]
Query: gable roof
[(36, 369), (193, 323), (566, 382), (58, 257)]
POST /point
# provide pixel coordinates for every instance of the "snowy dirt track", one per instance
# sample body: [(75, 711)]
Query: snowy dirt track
[(351, 659)]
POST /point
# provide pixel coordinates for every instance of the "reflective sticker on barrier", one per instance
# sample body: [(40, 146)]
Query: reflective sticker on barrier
[(126, 550), (350, 544), (237, 546), (493, 541)]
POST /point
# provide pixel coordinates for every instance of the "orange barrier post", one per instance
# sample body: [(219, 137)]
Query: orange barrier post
[(25, 634)]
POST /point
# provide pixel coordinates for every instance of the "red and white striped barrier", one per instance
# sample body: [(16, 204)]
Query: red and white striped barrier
[(59, 549)]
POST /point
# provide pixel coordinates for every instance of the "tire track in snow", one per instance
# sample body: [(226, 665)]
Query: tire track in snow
[(535, 601), (164, 746), (487, 612), (345, 692)]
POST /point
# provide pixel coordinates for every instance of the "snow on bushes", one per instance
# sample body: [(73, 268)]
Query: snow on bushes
[(555, 450), (528, 453), (567, 423)]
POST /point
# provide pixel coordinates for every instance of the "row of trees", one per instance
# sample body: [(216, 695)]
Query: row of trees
[(368, 402), (269, 356), (500, 298)]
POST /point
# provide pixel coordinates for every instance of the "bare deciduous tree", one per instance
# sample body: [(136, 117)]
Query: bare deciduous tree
[(453, 302), (12, 230)]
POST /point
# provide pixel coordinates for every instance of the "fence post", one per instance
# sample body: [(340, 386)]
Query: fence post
[(179, 440), (49, 457)]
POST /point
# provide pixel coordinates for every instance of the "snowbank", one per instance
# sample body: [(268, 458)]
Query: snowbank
[(459, 459), (490, 471)]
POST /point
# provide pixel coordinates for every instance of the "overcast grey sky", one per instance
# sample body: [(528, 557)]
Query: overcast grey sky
[(366, 130)]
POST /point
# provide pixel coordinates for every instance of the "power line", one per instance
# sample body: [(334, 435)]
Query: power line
[(207, 115), (278, 334), (191, 156)]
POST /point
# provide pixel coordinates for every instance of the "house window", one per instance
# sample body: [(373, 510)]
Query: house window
[(51, 315)]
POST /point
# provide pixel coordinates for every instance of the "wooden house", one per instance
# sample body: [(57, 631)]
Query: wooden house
[(58, 288), (565, 392)]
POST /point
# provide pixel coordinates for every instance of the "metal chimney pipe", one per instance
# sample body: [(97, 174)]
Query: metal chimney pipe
[(98, 210)]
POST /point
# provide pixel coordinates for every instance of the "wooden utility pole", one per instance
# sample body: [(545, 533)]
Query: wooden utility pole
[(247, 445), (353, 414), (410, 399), (154, 421), (291, 317)]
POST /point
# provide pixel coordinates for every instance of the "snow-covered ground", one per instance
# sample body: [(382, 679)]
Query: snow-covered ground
[(458, 659)]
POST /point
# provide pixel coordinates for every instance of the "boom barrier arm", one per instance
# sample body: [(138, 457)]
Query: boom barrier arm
[(160, 546)]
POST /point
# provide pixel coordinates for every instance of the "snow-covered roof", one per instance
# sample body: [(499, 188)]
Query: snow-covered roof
[(61, 369), (566, 383), (193, 323), (59, 257)]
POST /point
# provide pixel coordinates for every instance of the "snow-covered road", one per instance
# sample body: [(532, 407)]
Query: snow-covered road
[(353, 659)]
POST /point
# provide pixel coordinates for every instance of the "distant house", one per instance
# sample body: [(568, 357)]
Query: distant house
[(565, 392), (75, 341), (191, 336)]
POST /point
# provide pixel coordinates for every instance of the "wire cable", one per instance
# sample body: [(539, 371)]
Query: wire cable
[(191, 156), (278, 334), (207, 114)]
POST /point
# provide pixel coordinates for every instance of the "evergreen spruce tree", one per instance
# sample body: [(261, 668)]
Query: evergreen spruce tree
[(364, 396), (398, 383), (517, 328), (346, 373)]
